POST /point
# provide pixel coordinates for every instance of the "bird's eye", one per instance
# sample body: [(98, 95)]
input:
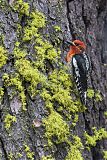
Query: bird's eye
[(76, 44)]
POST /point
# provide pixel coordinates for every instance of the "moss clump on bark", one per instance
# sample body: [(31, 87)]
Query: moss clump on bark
[(57, 28), (90, 93), (30, 74), (37, 21), (56, 126), (74, 151), (94, 94), (1, 92), (105, 155), (15, 81), (29, 153), (9, 119), (21, 7), (105, 113), (49, 157), (3, 56), (98, 135)]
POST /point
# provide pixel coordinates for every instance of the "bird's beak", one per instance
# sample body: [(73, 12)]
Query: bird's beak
[(71, 43)]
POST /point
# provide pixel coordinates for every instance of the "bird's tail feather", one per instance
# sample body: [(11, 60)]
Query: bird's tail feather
[(83, 97)]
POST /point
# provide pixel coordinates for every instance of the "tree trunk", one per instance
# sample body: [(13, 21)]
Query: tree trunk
[(24, 116)]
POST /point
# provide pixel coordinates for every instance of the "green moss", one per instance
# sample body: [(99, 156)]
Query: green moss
[(47, 98), (57, 28), (18, 155), (49, 157), (90, 93), (3, 4), (29, 153), (1, 92), (74, 152), (45, 51), (60, 86), (21, 7), (56, 126), (105, 155), (15, 156), (3, 57), (63, 97), (75, 120), (105, 113), (18, 53), (37, 21), (10, 156), (61, 77), (98, 135), (30, 74), (16, 81), (94, 94), (9, 119), (98, 96), (58, 89)]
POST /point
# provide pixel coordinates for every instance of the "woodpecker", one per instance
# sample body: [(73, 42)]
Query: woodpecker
[(80, 65)]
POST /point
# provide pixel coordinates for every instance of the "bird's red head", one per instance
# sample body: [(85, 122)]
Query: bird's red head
[(76, 47)]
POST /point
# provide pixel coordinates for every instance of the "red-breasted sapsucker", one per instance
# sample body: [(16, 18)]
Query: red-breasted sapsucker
[(80, 65)]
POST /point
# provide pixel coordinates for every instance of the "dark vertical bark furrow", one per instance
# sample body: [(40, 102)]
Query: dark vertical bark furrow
[(3, 149), (70, 23)]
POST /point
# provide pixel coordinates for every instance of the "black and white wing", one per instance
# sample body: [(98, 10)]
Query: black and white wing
[(81, 69)]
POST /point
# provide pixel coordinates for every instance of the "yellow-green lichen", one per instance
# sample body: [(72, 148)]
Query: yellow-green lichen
[(57, 28), (18, 53), (105, 155), (98, 135), (94, 94), (29, 153), (75, 120), (14, 156), (10, 156), (98, 96), (56, 126), (59, 84), (21, 7), (49, 157), (37, 21), (45, 51), (105, 113), (75, 150), (18, 155), (1, 92), (90, 93), (48, 51), (3, 4), (61, 77), (30, 74), (3, 57), (8, 121), (16, 81)]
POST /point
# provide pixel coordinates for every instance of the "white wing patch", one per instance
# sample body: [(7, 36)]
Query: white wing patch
[(76, 67), (87, 61), (77, 76)]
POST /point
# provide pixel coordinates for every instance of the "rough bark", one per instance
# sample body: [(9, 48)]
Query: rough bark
[(79, 19)]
